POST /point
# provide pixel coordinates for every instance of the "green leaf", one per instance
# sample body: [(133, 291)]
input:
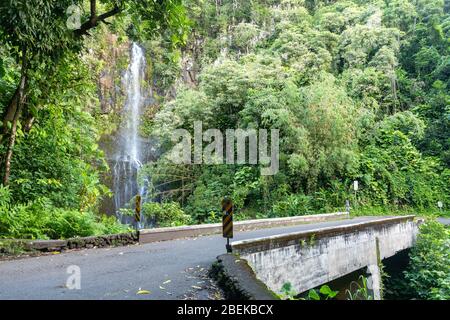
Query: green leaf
[(325, 290), (313, 295)]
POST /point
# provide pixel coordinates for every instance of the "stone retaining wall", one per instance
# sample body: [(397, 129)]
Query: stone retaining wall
[(74, 243)]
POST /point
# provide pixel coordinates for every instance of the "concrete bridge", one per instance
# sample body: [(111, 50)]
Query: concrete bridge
[(311, 258)]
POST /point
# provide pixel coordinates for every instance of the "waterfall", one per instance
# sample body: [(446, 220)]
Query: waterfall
[(128, 157)]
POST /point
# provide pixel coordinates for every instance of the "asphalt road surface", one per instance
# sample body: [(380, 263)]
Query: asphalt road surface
[(168, 270)]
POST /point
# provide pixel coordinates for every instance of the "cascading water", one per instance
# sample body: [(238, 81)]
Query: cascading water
[(128, 157)]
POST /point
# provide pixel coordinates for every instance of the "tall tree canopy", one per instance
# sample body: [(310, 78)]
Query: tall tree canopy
[(38, 35)]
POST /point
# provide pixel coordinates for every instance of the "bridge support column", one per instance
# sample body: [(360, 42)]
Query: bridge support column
[(374, 281)]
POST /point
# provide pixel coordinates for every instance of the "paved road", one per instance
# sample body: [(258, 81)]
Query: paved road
[(169, 270)]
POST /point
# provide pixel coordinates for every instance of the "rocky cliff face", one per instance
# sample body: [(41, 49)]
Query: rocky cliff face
[(164, 72), (110, 91)]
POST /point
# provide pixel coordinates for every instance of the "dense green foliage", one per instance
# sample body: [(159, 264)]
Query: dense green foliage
[(41, 219), (428, 275), (359, 90)]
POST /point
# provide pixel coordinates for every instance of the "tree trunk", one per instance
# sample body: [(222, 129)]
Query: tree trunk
[(19, 102), (8, 114)]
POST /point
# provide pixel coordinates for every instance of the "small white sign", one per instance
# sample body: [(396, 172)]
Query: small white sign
[(440, 205), (356, 185)]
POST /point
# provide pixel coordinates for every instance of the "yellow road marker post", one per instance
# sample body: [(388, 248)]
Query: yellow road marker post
[(227, 221), (137, 214)]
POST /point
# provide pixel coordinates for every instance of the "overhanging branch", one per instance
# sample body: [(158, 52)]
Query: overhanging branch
[(94, 20)]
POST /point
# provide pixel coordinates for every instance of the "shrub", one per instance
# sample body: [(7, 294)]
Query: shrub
[(27, 221), (41, 220), (167, 214), (204, 204), (292, 205), (69, 224), (110, 225)]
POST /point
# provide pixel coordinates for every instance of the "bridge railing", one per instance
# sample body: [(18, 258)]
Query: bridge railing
[(164, 234)]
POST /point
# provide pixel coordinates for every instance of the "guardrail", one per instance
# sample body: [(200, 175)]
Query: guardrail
[(165, 234), (277, 241)]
